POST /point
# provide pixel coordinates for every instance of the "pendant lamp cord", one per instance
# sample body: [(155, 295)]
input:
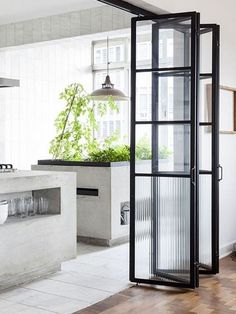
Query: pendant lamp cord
[(108, 62)]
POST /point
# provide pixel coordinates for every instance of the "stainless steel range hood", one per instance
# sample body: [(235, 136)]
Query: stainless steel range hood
[(6, 82)]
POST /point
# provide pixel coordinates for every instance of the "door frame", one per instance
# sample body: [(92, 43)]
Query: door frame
[(215, 168), (128, 7), (195, 24)]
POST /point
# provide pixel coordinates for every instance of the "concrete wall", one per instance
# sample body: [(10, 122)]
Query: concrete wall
[(223, 13), (84, 22), (120, 193)]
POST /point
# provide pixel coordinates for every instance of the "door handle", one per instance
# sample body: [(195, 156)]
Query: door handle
[(221, 173), (193, 176)]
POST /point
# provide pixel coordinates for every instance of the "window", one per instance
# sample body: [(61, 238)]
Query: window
[(143, 51), (113, 122), (116, 53)]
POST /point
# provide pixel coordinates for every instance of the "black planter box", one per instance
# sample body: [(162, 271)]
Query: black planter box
[(60, 162)]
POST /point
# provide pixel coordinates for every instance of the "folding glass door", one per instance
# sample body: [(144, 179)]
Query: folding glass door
[(209, 167), (175, 171), (164, 168)]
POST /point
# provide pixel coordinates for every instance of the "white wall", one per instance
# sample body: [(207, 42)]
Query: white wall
[(27, 113), (223, 13)]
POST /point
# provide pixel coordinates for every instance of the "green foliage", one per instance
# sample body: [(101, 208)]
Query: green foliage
[(76, 124), (122, 152), (143, 149), (144, 152), (164, 152), (111, 154)]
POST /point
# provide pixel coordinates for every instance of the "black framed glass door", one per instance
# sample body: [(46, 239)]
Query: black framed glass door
[(209, 167), (164, 168)]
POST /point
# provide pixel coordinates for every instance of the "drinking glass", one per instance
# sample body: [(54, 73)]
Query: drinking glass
[(23, 209), (12, 209), (17, 204), (43, 206), (29, 202), (36, 205)]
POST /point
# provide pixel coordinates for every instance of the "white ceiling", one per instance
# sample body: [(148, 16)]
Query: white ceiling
[(20, 10)]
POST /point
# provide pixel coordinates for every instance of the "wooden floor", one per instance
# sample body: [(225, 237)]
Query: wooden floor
[(216, 294)]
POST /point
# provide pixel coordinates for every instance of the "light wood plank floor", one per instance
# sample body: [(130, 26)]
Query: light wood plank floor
[(216, 294)]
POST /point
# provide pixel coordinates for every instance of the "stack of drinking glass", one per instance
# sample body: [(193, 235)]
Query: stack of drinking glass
[(27, 206)]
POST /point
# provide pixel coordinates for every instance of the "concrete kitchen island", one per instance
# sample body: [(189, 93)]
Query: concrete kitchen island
[(102, 196), (36, 246)]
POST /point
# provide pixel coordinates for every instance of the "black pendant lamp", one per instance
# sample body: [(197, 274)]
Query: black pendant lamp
[(108, 90)]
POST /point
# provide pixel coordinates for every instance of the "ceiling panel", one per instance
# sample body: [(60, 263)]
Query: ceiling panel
[(20, 10)]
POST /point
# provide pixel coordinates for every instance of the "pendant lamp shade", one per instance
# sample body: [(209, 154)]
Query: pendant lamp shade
[(108, 90)]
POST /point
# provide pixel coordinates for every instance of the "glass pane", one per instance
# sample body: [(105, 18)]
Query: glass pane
[(205, 100), (205, 219), (117, 77), (205, 147), (206, 52), (162, 229), (172, 100), (168, 39), (144, 44), (144, 96), (173, 148), (162, 148), (143, 149), (116, 52)]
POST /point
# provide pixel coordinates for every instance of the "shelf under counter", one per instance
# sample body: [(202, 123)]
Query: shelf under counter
[(13, 220)]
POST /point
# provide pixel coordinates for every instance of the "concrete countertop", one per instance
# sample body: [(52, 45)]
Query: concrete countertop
[(27, 173), (28, 180)]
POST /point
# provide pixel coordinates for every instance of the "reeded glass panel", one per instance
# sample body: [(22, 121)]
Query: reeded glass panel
[(168, 40), (162, 229), (162, 148), (172, 98), (205, 148), (205, 100), (205, 196), (206, 52)]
